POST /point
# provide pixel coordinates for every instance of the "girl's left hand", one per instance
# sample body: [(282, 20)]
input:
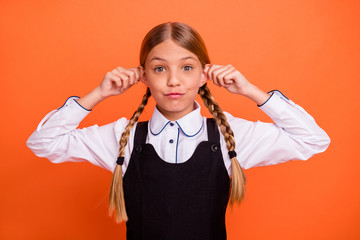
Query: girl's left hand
[(228, 77)]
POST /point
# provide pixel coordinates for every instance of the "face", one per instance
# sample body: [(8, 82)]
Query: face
[(174, 76)]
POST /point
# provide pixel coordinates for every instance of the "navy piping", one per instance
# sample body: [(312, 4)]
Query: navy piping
[(155, 134), (272, 93), (266, 100), (82, 106), (67, 100), (278, 92), (190, 135), (177, 144)]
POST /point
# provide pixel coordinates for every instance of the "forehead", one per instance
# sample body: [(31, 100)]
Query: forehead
[(170, 51)]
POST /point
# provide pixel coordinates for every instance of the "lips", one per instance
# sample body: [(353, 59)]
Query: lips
[(174, 95)]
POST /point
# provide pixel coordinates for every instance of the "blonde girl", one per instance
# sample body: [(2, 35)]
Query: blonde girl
[(174, 175)]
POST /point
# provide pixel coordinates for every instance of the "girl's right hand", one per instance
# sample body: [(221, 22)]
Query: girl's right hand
[(119, 80)]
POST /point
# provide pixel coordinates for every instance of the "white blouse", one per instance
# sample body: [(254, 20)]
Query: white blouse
[(293, 135)]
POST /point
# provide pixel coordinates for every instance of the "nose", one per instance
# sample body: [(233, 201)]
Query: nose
[(173, 79)]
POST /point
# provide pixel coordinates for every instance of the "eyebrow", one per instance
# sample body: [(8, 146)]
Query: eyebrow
[(162, 59)]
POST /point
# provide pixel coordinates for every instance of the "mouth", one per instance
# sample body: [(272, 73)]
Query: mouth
[(174, 95)]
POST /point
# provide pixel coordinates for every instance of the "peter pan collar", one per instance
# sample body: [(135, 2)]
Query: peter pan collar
[(190, 124)]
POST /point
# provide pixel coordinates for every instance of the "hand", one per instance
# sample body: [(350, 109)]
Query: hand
[(232, 80), (228, 77), (119, 80)]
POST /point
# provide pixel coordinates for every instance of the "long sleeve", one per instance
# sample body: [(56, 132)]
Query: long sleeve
[(293, 135), (58, 139)]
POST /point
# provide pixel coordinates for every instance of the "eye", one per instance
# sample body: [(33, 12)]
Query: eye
[(187, 68), (159, 69)]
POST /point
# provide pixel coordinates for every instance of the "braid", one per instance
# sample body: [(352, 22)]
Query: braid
[(132, 121), (238, 179), (116, 199)]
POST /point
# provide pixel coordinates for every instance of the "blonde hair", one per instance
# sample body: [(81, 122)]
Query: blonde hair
[(189, 39)]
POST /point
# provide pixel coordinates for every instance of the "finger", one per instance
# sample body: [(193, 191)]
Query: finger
[(229, 78), (119, 69), (209, 73), (115, 79), (124, 77), (131, 76), (222, 72), (215, 71), (137, 75), (120, 72), (125, 82)]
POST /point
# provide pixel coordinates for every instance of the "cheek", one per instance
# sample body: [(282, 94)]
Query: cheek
[(194, 80), (153, 80)]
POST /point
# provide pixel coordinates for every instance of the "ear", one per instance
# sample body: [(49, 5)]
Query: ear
[(143, 78), (203, 79)]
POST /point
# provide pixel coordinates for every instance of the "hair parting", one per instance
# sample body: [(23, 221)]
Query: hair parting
[(238, 178), (116, 199)]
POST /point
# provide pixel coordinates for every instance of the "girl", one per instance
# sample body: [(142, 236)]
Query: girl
[(174, 175)]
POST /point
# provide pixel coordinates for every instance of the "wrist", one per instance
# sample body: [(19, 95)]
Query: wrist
[(256, 94), (98, 94), (91, 99)]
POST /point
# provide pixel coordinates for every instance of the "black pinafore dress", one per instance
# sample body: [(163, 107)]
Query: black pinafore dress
[(176, 201)]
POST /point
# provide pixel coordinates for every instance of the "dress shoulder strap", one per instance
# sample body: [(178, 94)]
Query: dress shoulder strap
[(213, 131), (141, 133)]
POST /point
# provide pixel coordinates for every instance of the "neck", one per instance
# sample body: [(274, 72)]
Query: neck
[(173, 116)]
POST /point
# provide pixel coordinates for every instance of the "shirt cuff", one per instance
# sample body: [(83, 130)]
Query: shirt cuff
[(272, 93), (276, 104), (69, 101), (71, 112)]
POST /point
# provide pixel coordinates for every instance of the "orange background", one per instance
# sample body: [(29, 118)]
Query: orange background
[(309, 49)]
